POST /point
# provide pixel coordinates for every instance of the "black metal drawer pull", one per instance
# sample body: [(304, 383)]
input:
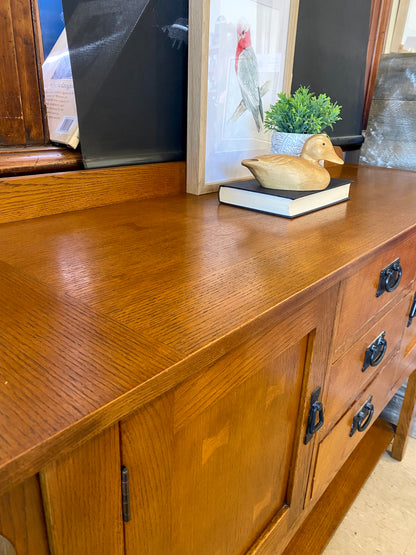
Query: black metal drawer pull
[(316, 408), (412, 312), (390, 277), (374, 353), (363, 417)]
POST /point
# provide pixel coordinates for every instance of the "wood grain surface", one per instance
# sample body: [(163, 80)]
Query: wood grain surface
[(82, 492), (40, 159), (60, 364), (31, 196), (405, 419), (346, 375), (379, 21), (338, 445), (366, 279), (186, 270), (22, 121), (147, 438), (86, 296)]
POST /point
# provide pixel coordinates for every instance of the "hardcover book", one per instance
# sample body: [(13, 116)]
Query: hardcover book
[(290, 204)]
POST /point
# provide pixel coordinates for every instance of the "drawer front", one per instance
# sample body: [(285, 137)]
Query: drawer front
[(337, 446), (349, 375), (361, 297)]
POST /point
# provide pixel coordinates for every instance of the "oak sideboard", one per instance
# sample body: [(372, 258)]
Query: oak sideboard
[(188, 378)]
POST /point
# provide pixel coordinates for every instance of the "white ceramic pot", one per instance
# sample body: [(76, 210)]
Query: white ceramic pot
[(288, 143)]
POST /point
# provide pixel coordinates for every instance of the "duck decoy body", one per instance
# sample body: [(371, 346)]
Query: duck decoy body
[(296, 173)]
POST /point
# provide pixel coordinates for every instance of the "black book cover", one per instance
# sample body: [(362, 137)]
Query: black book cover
[(254, 186)]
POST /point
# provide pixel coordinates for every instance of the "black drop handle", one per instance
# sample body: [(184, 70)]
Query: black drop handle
[(362, 419), (316, 410), (375, 352), (412, 312), (390, 277)]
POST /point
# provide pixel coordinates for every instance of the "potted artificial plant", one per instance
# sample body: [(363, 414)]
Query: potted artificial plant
[(295, 118)]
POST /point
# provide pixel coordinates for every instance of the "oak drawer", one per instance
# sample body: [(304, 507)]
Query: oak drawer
[(337, 446), (352, 371), (361, 299)]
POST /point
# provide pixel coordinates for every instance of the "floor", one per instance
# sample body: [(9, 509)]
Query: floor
[(382, 519)]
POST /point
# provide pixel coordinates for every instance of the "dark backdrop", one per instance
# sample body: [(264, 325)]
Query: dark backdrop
[(129, 61), (330, 56)]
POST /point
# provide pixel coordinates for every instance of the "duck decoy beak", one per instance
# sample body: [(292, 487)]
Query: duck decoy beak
[(333, 157)]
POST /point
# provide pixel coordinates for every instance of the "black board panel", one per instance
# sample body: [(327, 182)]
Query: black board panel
[(330, 57), (129, 65)]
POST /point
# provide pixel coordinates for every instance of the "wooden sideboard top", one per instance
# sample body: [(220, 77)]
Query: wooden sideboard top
[(104, 309)]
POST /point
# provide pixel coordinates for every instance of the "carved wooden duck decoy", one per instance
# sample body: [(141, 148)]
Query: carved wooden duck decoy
[(296, 173)]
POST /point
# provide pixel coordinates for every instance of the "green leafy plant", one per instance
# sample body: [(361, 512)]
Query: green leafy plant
[(302, 112)]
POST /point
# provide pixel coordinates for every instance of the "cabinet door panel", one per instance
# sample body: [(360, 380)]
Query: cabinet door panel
[(82, 495), (216, 461), (147, 451), (232, 460), (210, 483)]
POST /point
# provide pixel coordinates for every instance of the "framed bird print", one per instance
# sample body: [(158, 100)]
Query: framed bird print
[(240, 58)]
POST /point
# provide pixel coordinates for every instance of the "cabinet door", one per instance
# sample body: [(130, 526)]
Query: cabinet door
[(82, 498), (216, 460)]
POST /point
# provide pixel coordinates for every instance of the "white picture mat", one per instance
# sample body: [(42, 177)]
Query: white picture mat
[(228, 142)]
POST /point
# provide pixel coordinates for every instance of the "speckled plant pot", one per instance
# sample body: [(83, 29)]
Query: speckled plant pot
[(288, 143)]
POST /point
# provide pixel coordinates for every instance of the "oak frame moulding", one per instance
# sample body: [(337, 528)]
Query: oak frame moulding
[(199, 32)]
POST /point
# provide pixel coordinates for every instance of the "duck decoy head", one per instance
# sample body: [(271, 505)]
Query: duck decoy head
[(319, 147)]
